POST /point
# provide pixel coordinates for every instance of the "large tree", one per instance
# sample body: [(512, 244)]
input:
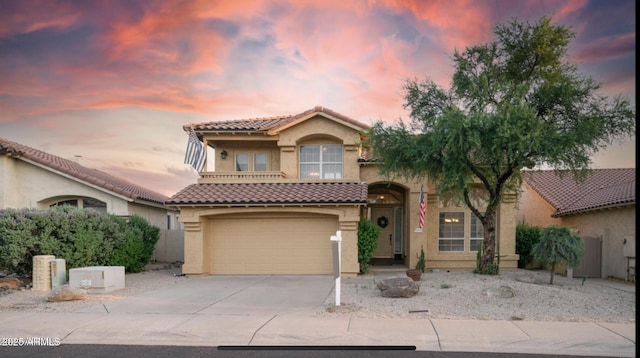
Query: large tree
[(513, 103)]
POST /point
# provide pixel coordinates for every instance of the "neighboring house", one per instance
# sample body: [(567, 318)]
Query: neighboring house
[(278, 188), (601, 210), (31, 178)]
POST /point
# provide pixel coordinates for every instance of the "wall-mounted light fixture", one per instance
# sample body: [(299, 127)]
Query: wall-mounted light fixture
[(223, 154)]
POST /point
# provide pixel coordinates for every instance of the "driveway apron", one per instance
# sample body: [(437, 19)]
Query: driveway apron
[(268, 294)]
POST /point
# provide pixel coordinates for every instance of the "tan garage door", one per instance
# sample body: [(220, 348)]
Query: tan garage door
[(274, 244)]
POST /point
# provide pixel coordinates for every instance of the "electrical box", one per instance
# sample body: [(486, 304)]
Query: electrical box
[(629, 246), (58, 273), (41, 276), (97, 279)]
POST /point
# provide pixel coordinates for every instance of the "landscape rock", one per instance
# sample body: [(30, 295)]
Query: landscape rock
[(66, 293), (526, 278), (398, 287), (502, 291), (11, 283)]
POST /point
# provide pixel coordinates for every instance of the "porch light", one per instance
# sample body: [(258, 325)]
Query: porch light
[(223, 154)]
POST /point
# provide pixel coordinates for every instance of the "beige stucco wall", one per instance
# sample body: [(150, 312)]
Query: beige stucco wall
[(612, 226), (533, 210), (428, 238), (27, 185), (505, 236), (319, 129)]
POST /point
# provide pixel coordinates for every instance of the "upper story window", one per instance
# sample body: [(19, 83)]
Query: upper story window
[(242, 162), (246, 162), (260, 162), (323, 161)]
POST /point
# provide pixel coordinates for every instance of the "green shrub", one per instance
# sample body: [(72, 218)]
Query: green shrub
[(526, 238), (368, 234), (137, 249), (558, 245), (129, 252), (80, 237)]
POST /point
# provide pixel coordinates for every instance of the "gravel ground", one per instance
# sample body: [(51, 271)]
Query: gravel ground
[(459, 295), (455, 294)]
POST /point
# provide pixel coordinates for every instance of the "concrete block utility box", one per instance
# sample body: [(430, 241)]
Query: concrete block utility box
[(41, 275), (97, 279)]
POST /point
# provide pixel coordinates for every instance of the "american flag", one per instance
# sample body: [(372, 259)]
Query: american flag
[(423, 209), (196, 154)]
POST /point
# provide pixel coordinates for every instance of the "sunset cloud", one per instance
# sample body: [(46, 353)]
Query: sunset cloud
[(114, 81)]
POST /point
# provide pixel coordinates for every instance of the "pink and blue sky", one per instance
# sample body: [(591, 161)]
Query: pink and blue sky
[(111, 82)]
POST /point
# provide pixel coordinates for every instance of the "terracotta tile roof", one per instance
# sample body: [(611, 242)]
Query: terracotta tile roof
[(69, 167), (603, 188), (267, 123), (271, 193)]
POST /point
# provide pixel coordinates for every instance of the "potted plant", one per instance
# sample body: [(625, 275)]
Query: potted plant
[(416, 273)]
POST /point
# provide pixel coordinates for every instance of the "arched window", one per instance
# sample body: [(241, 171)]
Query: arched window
[(83, 203)]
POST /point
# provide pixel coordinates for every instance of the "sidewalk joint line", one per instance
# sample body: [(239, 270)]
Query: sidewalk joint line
[(259, 328), (231, 295), (614, 332), (437, 335)]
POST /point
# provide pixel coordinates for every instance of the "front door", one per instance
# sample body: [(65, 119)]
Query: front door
[(384, 218)]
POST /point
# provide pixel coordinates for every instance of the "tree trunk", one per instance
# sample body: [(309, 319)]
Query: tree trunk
[(553, 271), (489, 240)]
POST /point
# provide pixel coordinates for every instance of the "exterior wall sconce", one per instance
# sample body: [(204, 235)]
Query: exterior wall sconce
[(223, 154)]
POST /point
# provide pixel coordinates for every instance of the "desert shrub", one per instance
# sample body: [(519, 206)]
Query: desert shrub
[(128, 253), (526, 238), (558, 245), (493, 269), (367, 243), (80, 237), (137, 249)]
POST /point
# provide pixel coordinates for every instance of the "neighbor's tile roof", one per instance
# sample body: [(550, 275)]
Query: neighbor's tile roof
[(601, 189), (272, 193), (268, 123), (69, 167)]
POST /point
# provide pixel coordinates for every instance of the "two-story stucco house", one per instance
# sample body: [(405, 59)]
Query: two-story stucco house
[(280, 187), (31, 178)]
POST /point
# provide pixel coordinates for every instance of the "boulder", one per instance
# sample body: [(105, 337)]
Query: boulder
[(11, 283), (67, 293), (398, 287), (502, 291)]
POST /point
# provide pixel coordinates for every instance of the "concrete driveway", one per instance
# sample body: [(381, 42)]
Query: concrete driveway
[(264, 294)]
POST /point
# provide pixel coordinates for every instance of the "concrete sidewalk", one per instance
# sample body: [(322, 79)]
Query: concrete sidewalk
[(247, 310), (216, 329)]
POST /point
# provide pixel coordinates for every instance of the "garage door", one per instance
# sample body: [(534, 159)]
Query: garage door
[(274, 244)]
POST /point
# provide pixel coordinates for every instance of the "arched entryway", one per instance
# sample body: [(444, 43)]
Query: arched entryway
[(387, 209)]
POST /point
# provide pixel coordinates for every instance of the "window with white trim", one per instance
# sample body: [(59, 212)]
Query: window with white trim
[(247, 161), (476, 233), (242, 162), (322, 161), (451, 231), (260, 162)]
